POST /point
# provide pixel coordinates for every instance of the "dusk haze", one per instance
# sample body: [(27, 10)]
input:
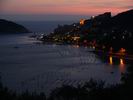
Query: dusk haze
[(55, 8)]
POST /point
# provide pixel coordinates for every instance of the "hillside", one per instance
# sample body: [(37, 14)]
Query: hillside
[(11, 27), (120, 33), (124, 20)]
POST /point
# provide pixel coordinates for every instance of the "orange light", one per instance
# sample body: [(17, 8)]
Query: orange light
[(121, 62), (122, 66), (93, 47), (111, 60), (76, 46), (122, 51), (82, 21), (76, 38), (111, 50)]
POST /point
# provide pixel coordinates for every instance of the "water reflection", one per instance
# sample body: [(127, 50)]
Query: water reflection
[(121, 61), (122, 66), (116, 60), (110, 60), (76, 46)]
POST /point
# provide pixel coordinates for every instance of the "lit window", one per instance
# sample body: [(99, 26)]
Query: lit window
[(82, 21)]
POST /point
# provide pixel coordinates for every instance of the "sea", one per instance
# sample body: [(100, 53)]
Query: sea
[(27, 64), (44, 26)]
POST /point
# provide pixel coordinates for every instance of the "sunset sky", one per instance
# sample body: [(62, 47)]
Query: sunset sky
[(52, 9)]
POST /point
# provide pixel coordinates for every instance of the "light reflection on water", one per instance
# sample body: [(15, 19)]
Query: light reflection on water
[(110, 60), (43, 67), (121, 61), (122, 65)]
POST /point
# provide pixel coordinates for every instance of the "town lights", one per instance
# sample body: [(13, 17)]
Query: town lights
[(82, 21), (122, 51), (121, 62)]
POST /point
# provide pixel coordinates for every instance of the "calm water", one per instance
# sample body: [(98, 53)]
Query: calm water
[(37, 67), (43, 26)]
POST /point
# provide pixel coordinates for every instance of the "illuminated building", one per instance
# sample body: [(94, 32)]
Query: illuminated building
[(82, 21)]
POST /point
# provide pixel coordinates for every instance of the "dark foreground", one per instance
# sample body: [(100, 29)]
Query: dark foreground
[(91, 90)]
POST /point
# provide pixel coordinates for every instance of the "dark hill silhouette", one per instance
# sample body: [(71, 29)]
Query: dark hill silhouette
[(120, 32), (11, 27), (105, 23), (124, 20)]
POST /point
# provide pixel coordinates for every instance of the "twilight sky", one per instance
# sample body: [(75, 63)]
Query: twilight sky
[(53, 9)]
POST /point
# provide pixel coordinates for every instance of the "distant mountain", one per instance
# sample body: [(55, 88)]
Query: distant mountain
[(11, 27)]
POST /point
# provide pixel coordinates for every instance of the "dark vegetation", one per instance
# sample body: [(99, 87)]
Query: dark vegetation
[(6, 94), (93, 90), (11, 27)]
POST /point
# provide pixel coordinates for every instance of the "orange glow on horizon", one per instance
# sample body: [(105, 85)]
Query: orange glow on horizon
[(54, 10), (60, 7)]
